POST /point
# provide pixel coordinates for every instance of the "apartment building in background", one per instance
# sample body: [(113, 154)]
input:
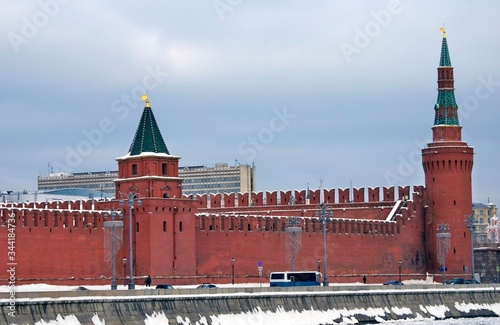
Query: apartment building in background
[(202, 179)]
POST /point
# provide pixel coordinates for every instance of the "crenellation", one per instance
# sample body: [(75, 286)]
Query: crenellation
[(243, 200), (315, 197), (285, 198), (215, 200), (346, 226), (272, 198), (344, 195), (374, 194), (358, 195), (230, 200), (388, 193), (300, 196), (257, 199), (403, 192)]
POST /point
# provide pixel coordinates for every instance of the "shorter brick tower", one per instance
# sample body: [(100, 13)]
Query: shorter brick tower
[(447, 163), (148, 168), (163, 227)]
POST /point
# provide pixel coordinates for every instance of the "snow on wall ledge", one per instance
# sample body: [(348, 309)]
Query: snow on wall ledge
[(314, 306)]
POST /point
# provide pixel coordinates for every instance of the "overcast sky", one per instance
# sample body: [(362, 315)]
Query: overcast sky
[(304, 89)]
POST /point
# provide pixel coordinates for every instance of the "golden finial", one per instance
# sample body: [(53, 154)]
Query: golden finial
[(443, 31), (145, 97)]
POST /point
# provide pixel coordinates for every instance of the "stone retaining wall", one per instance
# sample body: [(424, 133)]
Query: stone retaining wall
[(364, 303)]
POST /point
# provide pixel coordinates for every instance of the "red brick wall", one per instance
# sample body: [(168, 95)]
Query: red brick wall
[(60, 253), (349, 254), (201, 245)]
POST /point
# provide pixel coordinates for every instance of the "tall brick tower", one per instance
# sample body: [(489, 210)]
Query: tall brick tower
[(447, 163)]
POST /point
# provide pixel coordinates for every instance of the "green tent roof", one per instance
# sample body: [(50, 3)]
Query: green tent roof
[(446, 97), (148, 136), (445, 55)]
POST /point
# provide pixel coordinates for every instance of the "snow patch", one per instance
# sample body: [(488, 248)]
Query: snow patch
[(401, 311), (437, 311), (61, 320), (467, 307), (156, 319)]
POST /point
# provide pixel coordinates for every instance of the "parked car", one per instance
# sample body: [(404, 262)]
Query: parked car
[(393, 283), (164, 286), (206, 286), (471, 281), (456, 281)]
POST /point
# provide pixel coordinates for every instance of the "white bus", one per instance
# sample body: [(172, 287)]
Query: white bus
[(295, 279)]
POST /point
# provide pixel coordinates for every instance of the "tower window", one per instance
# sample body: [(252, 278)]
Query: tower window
[(180, 226), (164, 169), (164, 226), (134, 169)]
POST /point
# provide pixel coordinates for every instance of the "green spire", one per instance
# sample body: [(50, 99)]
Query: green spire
[(446, 108), (445, 55), (148, 136)]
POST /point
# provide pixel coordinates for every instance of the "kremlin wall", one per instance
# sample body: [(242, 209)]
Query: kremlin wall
[(364, 238), (180, 239)]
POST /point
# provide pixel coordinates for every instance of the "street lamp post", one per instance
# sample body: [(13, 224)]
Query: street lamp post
[(124, 265), (112, 226), (471, 224), (232, 269), (324, 219), (443, 240), (400, 270), (130, 202)]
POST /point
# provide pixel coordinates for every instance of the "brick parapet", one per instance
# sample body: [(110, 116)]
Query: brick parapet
[(301, 197)]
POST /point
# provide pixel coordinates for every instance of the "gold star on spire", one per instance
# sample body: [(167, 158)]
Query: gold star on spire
[(443, 31), (145, 97)]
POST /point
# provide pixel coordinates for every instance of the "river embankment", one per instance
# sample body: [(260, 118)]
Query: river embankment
[(330, 305)]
